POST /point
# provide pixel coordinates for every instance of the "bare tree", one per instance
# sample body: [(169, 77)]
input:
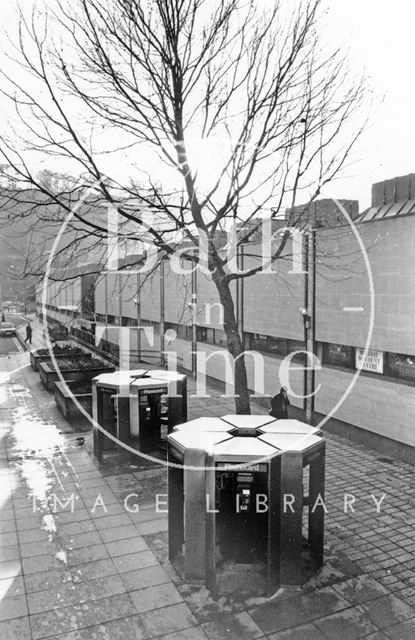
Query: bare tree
[(160, 80)]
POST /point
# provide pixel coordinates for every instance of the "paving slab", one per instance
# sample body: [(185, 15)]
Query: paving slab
[(102, 573), (100, 588), (348, 624), (13, 607), (16, 629), (387, 611), (303, 632), (147, 577), (240, 626), (156, 597), (175, 617), (58, 597), (107, 609)]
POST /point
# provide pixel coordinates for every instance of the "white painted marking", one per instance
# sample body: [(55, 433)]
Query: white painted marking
[(18, 345), (19, 368), (353, 309)]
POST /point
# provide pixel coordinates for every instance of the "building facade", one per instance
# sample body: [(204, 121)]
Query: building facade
[(364, 297)]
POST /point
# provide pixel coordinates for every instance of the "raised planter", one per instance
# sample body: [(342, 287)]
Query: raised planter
[(81, 370), (64, 351), (65, 400), (58, 332)]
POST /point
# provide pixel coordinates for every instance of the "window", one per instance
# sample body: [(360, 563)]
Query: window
[(338, 355), (210, 336), (128, 322), (218, 337), (399, 365), (201, 333), (150, 323), (257, 342), (184, 332), (297, 345), (267, 344)]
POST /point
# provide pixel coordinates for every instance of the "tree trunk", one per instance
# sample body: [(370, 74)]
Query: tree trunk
[(235, 345)]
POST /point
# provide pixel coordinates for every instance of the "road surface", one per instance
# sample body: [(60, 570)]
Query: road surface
[(12, 345)]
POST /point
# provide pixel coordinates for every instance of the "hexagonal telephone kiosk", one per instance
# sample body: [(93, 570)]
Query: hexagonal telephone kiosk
[(138, 407), (236, 489)]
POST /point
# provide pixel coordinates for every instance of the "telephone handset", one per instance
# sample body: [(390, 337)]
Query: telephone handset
[(244, 492)]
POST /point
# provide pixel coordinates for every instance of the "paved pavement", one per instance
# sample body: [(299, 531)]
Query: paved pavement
[(38, 339), (103, 574)]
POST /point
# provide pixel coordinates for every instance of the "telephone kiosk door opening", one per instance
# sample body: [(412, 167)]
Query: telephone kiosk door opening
[(242, 518), (113, 414), (152, 418), (109, 416)]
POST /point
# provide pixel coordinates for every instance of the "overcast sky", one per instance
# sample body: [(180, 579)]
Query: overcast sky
[(379, 37)]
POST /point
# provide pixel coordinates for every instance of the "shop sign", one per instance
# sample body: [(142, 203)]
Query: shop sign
[(372, 362)]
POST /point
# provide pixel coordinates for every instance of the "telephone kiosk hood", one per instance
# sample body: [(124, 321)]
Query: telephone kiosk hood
[(138, 407), (226, 492)]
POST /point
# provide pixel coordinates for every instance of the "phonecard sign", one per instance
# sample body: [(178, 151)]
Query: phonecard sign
[(372, 362), (230, 466)]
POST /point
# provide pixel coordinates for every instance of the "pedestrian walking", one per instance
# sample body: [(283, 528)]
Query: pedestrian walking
[(28, 333), (3, 319), (280, 404)]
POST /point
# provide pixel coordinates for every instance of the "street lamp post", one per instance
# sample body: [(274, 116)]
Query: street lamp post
[(162, 314), (193, 307), (309, 316), (136, 301)]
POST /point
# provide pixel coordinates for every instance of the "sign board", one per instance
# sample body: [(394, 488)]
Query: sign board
[(230, 466), (151, 390), (373, 361)]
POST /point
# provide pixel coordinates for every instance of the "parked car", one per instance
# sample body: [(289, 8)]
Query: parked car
[(7, 329)]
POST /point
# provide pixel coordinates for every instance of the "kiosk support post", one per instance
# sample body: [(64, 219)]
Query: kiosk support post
[(274, 532), (123, 427), (98, 436), (175, 509), (316, 519), (291, 512), (211, 524), (195, 515)]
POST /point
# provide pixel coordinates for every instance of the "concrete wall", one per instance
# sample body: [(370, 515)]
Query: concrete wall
[(150, 296), (272, 301), (177, 295), (271, 305), (130, 293)]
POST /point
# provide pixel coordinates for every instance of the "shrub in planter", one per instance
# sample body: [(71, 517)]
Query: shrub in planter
[(57, 331), (81, 363), (59, 351), (76, 369)]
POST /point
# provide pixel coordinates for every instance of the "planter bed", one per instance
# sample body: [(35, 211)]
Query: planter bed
[(65, 400), (57, 332), (64, 351), (77, 370)]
